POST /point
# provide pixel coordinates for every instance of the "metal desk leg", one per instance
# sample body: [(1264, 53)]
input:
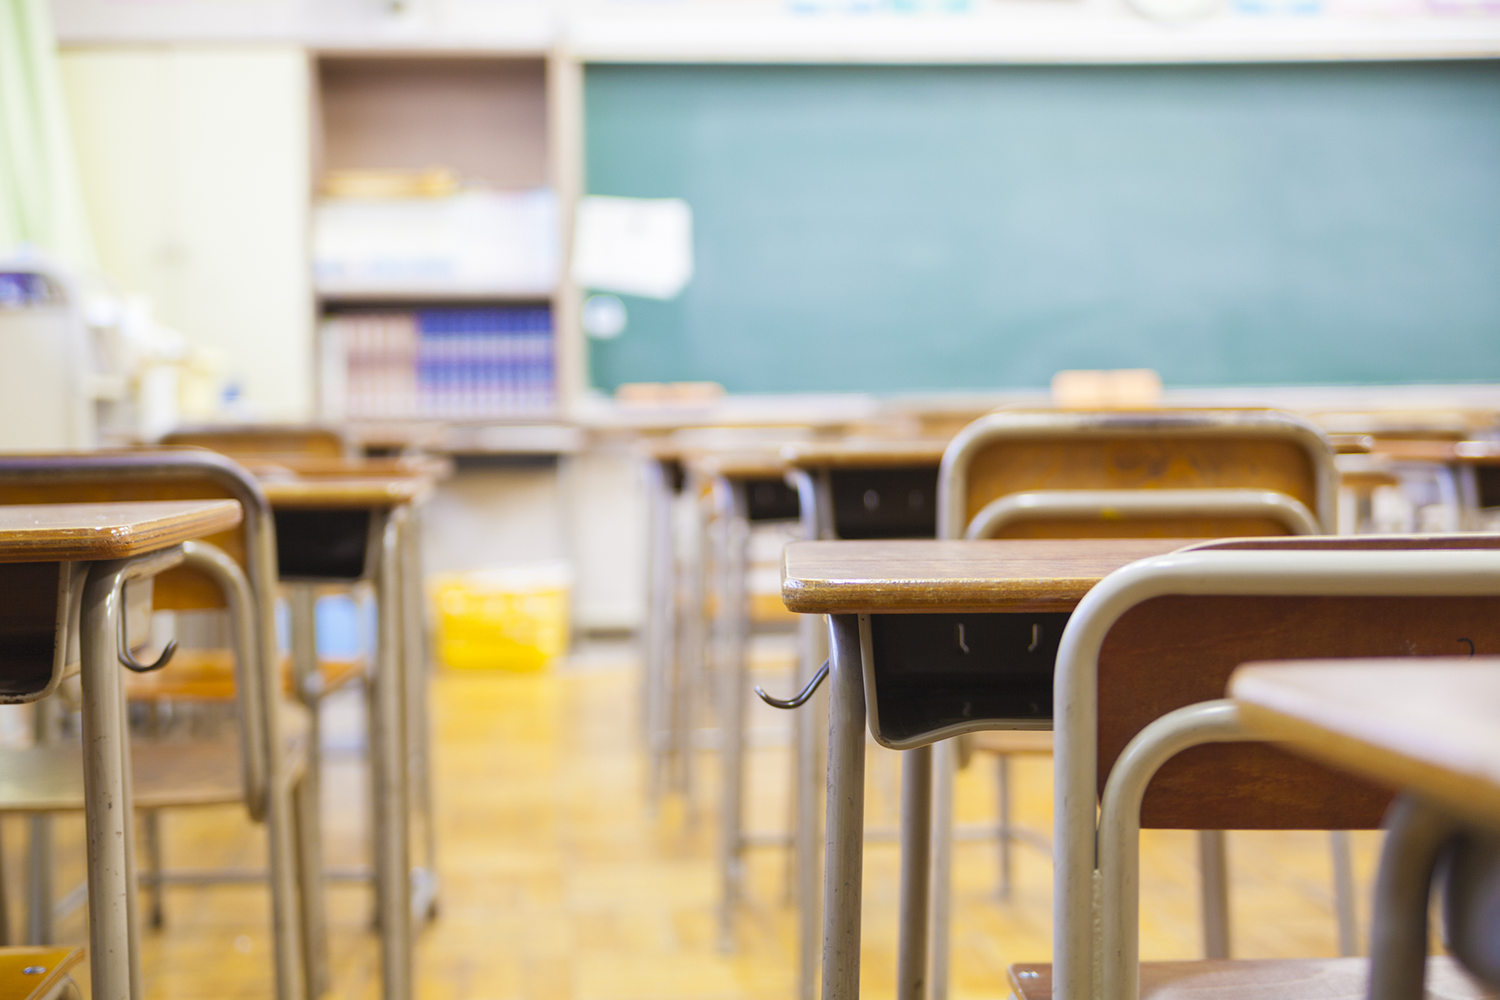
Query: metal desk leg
[(809, 727), (735, 526), (945, 766), (916, 869), (389, 773), (656, 687), (692, 660), (418, 713), (843, 870), (302, 601), (810, 762), (114, 962)]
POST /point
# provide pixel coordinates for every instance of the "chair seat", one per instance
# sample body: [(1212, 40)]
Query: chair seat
[(208, 675), (1013, 741), (164, 773), (1263, 979), (18, 984), (767, 609)]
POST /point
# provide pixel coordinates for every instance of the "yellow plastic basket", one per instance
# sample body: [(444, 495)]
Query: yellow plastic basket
[(515, 618)]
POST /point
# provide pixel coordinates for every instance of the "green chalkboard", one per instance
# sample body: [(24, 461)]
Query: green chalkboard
[(908, 228)]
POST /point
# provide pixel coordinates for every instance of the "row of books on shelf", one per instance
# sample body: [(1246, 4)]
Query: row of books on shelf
[(451, 364)]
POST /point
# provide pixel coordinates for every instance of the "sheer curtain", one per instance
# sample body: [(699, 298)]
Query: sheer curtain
[(41, 202)]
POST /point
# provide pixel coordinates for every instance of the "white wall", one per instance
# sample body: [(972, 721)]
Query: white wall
[(195, 168), (588, 511), (606, 514), (490, 516)]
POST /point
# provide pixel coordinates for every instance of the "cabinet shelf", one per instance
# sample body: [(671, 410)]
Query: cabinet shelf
[(341, 299)]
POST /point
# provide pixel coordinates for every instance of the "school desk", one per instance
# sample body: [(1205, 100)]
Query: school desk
[(929, 639), (65, 567)]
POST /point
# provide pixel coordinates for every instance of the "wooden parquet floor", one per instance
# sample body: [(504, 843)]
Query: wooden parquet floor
[(560, 884)]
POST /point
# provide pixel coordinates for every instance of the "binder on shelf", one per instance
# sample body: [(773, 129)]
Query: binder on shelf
[(443, 363)]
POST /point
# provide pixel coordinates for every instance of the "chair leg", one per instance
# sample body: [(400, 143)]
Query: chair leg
[(1343, 892), (39, 922), (1002, 792), (946, 758), (151, 829), (1213, 874), (372, 811), (419, 711), (5, 937), (39, 882), (310, 884), (307, 795), (286, 900)]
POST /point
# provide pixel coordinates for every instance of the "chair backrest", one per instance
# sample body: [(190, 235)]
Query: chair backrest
[(186, 474), (1179, 649), (1165, 633), (1281, 465), (262, 439), (153, 474)]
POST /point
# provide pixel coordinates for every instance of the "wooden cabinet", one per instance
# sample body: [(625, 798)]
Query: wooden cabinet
[(446, 300)]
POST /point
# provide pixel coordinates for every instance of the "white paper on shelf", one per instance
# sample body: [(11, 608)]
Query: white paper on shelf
[(638, 246), (497, 242)]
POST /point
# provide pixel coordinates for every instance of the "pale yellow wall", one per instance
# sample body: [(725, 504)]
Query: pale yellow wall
[(195, 168)]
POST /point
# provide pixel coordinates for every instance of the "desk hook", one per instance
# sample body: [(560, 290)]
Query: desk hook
[(800, 698), (129, 662)]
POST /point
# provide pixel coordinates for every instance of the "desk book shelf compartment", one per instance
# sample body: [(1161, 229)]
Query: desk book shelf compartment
[(896, 502), (932, 676), (326, 545), (36, 605)]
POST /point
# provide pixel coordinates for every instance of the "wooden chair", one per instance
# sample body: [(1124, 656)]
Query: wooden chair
[(1155, 643), (269, 744), (1161, 474)]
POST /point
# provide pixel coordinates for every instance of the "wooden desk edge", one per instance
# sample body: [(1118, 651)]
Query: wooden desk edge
[(819, 589), (918, 453), (345, 494), (738, 465), (87, 543), (852, 597), (1467, 794)]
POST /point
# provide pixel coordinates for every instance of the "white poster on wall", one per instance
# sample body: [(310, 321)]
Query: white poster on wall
[(634, 246)]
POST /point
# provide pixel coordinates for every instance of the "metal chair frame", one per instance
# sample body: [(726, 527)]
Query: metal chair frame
[(1106, 504), (271, 793), (1078, 825)]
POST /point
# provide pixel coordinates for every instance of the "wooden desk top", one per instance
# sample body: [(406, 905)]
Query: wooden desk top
[(865, 453), (1368, 479), (740, 463), (321, 466), (93, 531), (1415, 450), (922, 575), (345, 494), (1423, 724)]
